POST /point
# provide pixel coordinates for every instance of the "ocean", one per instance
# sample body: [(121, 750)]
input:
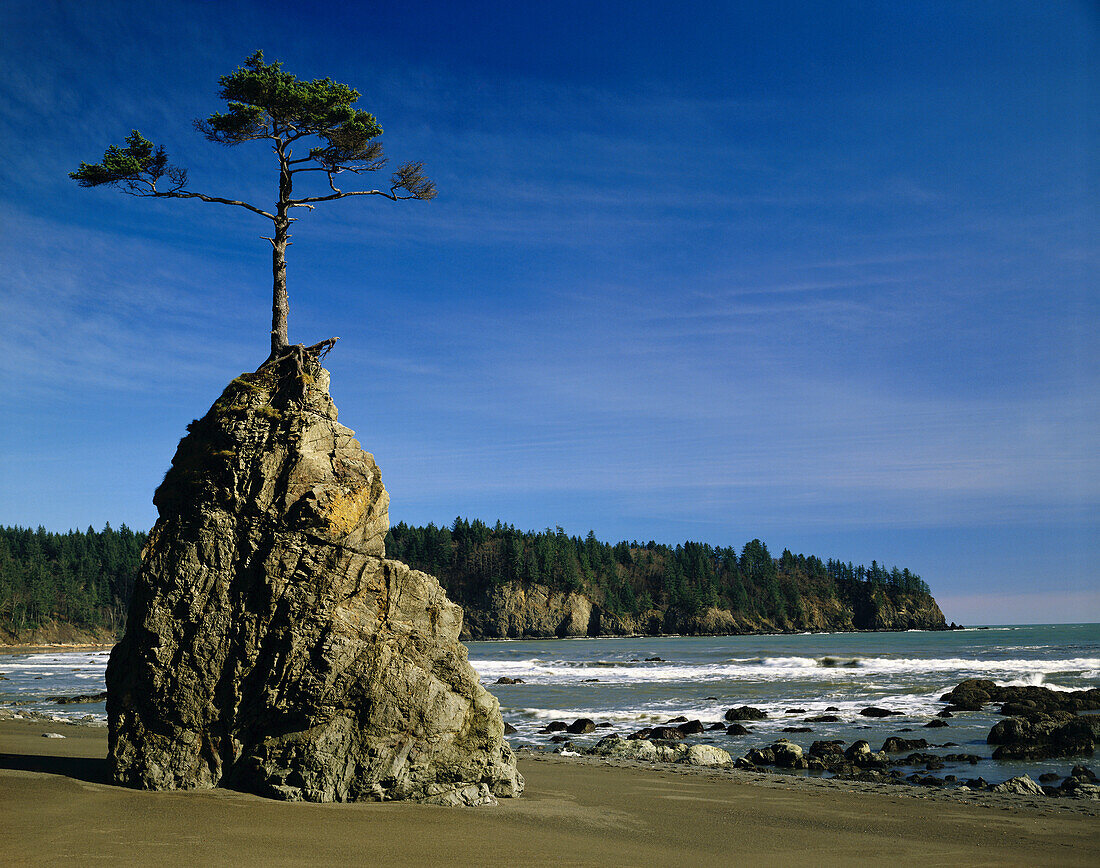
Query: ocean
[(624, 684)]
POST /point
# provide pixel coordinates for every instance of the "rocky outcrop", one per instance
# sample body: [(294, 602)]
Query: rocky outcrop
[(271, 647), (974, 693), (513, 610), (1041, 723)]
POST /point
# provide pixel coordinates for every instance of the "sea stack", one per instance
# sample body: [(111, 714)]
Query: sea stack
[(271, 647)]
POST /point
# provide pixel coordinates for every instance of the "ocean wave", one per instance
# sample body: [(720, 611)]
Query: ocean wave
[(792, 668)]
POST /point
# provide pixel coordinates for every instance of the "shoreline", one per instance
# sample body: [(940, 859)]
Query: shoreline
[(56, 646), (57, 807)]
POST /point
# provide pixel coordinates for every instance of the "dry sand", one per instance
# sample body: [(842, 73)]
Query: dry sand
[(56, 807)]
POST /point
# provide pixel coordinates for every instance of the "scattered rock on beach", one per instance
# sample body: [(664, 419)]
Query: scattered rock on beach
[(860, 754), (1021, 786), (52, 735), (646, 751), (271, 647)]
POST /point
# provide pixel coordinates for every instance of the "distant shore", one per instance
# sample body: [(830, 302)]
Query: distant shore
[(57, 807)]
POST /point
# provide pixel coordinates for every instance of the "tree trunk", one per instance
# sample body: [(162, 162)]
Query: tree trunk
[(280, 307)]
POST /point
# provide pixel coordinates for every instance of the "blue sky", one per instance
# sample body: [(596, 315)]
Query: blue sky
[(823, 274)]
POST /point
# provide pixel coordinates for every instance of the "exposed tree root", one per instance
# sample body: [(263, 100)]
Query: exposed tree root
[(293, 367)]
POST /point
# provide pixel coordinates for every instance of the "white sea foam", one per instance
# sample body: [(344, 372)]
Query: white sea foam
[(1024, 671)]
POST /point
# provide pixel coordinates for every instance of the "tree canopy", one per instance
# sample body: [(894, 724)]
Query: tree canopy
[(265, 103)]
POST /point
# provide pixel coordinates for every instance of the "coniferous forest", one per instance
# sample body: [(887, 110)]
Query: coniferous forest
[(85, 578)]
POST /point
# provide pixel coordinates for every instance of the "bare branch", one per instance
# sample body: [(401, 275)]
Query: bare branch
[(186, 194)]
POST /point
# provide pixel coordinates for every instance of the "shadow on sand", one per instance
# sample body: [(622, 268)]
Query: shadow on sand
[(93, 771)]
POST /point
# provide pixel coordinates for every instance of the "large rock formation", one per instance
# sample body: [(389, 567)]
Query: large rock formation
[(270, 645)]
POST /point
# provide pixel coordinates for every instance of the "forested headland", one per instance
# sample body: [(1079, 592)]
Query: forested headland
[(83, 579), (636, 587), (512, 582)]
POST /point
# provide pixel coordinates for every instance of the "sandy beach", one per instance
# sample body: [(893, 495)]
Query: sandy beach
[(57, 807)]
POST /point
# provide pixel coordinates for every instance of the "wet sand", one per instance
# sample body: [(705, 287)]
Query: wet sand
[(57, 807)]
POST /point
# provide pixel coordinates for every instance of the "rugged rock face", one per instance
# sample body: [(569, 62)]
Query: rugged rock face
[(271, 647), (513, 610), (517, 610)]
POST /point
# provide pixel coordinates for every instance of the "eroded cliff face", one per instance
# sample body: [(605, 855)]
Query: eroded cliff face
[(513, 610), (272, 647)]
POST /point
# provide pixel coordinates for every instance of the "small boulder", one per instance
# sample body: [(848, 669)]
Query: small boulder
[(788, 755), (737, 729), (746, 712), (860, 754), (691, 727), (875, 711), (1022, 786), (706, 755), (666, 733), (935, 723), (823, 718), (761, 756), (504, 679), (554, 726), (509, 729), (623, 748), (581, 725), (897, 745)]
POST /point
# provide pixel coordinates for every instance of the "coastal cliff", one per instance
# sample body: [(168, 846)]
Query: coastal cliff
[(515, 611)]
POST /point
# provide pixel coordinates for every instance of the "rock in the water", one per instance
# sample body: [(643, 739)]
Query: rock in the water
[(875, 711), (897, 745), (787, 754), (1022, 785), (1043, 736), (746, 712), (581, 725), (271, 647)]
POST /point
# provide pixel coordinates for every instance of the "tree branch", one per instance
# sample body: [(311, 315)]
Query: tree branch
[(187, 194)]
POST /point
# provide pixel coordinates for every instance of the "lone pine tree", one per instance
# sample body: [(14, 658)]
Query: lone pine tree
[(267, 104)]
